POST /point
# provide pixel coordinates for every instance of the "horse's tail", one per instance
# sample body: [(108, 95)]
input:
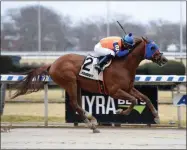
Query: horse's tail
[(28, 85)]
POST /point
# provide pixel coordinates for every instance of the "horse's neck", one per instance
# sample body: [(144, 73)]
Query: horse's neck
[(133, 60)]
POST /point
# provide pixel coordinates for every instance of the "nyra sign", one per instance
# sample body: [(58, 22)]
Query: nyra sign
[(100, 104), (104, 107)]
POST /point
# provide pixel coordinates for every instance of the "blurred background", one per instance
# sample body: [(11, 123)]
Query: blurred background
[(45, 26), (34, 33)]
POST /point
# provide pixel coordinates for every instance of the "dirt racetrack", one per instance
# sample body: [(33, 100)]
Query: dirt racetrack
[(72, 138)]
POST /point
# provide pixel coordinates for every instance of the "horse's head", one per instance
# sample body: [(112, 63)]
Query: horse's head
[(152, 52)]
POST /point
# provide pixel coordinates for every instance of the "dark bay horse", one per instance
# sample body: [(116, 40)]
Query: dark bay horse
[(118, 77)]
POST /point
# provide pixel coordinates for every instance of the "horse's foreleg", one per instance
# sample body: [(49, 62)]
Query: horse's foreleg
[(120, 94), (144, 98)]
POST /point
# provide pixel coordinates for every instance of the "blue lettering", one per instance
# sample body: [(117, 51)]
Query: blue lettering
[(183, 100)]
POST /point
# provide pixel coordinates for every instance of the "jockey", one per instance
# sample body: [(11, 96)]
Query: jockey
[(110, 47)]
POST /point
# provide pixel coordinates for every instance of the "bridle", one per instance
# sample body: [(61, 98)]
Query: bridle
[(153, 58)]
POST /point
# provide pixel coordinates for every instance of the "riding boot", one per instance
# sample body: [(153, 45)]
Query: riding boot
[(103, 62)]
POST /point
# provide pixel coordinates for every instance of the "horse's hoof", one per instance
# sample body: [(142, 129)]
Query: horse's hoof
[(96, 131), (157, 120), (119, 111)]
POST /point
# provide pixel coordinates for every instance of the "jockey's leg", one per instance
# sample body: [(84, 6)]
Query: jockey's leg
[(103, 62), (107, 53)]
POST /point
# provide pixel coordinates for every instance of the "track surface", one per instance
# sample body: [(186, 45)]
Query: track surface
[(122, 138)]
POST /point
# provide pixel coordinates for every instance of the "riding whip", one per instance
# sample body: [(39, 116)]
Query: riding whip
[(121, 27)]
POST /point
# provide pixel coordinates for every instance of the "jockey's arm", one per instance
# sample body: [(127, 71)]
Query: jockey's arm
[(118, 51), (122, 53)]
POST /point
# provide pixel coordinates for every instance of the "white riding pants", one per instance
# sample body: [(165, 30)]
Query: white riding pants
[(100, 51)]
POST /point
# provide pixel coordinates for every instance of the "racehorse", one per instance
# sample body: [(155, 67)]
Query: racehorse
[(118, 79)]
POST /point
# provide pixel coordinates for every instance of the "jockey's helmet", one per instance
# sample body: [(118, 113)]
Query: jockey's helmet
[(128, 39)]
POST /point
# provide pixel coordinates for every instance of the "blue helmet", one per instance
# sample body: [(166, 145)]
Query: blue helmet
[(128, 39)]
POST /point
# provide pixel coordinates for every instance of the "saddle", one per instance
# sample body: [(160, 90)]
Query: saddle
[(89, 71)]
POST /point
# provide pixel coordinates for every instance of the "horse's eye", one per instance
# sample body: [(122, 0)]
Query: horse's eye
[(153, 48)]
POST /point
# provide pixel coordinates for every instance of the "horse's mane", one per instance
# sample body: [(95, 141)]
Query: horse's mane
[(137, 39)]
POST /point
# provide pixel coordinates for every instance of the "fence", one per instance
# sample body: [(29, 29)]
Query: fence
[(139, 80)]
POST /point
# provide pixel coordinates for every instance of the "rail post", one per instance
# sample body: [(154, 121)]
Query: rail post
[(46, 104), (179, 110), (3, 94)]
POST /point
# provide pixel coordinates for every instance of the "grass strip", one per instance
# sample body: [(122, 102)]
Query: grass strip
[(21, 118)]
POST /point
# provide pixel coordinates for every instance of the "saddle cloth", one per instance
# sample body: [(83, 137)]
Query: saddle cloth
[(88, 69)]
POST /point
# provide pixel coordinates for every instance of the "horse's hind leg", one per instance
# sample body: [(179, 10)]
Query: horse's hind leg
[(87, 114), (72, 92)]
